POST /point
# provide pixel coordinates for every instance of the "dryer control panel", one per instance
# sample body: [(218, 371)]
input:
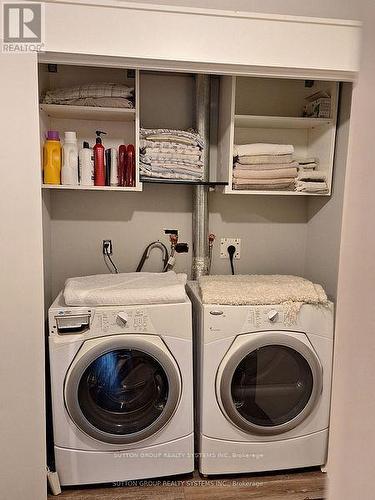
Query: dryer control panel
[(265, 316)]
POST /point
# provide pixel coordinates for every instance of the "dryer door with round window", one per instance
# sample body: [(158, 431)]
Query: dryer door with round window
[(268, 383), (122, 389)]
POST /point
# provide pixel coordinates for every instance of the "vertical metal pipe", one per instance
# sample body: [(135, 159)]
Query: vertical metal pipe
[(200, 193)]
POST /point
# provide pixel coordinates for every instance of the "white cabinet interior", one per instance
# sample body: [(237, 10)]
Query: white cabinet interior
[(249, 110), (120, 124), (265, 110)]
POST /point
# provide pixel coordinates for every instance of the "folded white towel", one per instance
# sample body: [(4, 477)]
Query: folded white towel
[(257, 149), (125, 289)]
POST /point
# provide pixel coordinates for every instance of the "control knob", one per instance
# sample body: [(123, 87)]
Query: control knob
[(273, 315), (123, 317)]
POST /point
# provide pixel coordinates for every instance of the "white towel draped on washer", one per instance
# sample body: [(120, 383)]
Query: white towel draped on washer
[(125, 289)]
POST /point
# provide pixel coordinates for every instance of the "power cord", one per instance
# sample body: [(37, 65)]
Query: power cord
[(107, 254), (231, 251)]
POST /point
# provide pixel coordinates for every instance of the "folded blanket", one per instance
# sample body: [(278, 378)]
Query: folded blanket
[(125, 289), (264, 160), (306, 161), (262, 149), (99, 102), (100, 89), (280, 173), (312, 176), (174, 165), (312, 187), (291, 291), (170, 173), (150, 156), (168, 147), (283, 186)]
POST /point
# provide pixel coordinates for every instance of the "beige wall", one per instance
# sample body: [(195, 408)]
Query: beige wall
[(353, 417), (272, 229), (22, 420)]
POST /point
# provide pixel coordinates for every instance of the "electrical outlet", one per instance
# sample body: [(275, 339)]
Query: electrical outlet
[(107, 247), (225, 243)]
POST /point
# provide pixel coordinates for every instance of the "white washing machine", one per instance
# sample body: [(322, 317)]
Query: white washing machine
[(122, 394), (263, 388)]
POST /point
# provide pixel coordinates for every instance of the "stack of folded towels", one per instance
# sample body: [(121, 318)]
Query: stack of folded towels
[(112, 95), (264, 167), (171, 154), (311, 181)]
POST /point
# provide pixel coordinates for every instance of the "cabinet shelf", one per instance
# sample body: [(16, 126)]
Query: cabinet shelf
[(88, 112), (91, 188), (291, 122), (272, 193), (184, 182)]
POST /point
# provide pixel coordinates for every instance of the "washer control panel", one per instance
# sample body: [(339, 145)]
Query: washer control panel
[(122, 321)]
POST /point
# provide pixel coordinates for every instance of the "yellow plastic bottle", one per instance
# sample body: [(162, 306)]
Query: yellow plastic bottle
[(52, 158)]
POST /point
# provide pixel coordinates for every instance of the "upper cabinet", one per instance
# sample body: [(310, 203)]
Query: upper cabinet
[(85, 114), (299, 115)]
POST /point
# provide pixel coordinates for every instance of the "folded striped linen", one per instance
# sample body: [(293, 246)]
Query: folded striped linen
[(174, 157), (172, 167), (180, 165), (264, 159), (171, 154), (312, 187), (257, 149), (168, 147), (169, 174), (280, 173), (172, 136), (99, 102), (89, 90)]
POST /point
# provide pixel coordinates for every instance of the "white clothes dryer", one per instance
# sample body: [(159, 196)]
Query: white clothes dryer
[(263, 386), (122, 400)]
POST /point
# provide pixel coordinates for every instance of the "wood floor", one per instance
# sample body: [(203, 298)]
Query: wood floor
[(308, 485)]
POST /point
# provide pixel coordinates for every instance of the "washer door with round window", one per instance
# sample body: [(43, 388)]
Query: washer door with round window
[(268, 383), (122, 389)]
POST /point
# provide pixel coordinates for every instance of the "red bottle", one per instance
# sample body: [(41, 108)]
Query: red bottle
[(122, 155), (99, 165), (130, 166)]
